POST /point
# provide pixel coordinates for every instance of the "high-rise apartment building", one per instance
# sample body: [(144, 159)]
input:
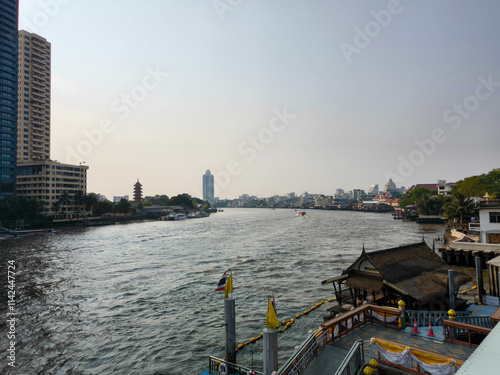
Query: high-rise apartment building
[(59, 186), (208, 186), (33, 137), (9, 10)]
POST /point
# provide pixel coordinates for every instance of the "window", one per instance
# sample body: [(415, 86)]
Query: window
[(494, 217)]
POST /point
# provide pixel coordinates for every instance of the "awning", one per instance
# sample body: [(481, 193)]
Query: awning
[(334, 279), (395, 288)]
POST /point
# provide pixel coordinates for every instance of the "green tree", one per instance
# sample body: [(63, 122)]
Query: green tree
[(103, 207), (183, 200), (461, 206), (56, 206), (122, 207), (79, 199), (64, 200), (15, 207), (90, 201), (163, 198), (421, 194), (478, 186), (199, 201), (428, 204)]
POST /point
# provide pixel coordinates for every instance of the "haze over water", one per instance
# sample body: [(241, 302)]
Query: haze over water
[(139, 298)]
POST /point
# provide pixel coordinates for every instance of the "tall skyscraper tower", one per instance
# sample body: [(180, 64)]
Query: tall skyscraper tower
[(208, 186), (33, 137), (9, 14)]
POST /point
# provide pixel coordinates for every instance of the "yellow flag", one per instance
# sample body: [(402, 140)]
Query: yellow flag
[(271, 318), (229, 286)]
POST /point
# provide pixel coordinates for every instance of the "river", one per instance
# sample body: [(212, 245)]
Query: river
[(139, 298)]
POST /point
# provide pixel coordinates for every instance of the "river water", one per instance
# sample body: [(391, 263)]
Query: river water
[(139, 298)]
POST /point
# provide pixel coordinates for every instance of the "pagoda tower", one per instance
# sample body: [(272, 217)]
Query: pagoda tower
[(137, 192)]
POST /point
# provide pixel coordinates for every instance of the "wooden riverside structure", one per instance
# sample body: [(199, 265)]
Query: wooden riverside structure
[(413, 273)]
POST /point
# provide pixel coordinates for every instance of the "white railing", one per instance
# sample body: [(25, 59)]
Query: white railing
[(298, 362), (474, 227), (353, 361)]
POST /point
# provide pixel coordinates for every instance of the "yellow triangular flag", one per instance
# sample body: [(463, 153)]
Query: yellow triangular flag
[(229, 286), (271, 318)]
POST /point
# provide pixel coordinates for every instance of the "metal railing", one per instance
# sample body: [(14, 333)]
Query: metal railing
[(435, 317), (298, 362), (462, 333), (234, 369), (353, 361), (480, 321)]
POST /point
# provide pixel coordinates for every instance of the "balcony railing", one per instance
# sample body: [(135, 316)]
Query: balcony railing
[(463, 333), (342, 325), (490, 203)]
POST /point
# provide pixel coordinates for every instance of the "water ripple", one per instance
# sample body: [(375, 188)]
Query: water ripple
[(139, 298)]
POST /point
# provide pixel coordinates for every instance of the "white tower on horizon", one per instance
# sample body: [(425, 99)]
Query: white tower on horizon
[(208, 186)]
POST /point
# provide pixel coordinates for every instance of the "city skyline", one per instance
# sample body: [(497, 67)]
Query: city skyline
[(272, 98)]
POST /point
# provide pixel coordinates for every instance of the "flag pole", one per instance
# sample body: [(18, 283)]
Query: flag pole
[(230, 323), (270, 338)]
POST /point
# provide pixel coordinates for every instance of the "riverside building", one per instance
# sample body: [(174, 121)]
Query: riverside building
[(48, 180), (9, 10), (59, 186)]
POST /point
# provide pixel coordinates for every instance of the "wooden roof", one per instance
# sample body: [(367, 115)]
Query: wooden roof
[(414, 268)]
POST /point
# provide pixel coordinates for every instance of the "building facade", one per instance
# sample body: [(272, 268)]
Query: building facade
[(48, 181), (60, 187), (208, 186), (489, 221), (33, 131), (444, 187), (390, 187), (9, 10), (373, 190)]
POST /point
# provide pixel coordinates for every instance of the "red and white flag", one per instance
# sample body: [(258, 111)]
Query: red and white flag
[(222, 283)]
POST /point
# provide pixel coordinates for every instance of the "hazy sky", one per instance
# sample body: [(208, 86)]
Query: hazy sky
[(272, 96)]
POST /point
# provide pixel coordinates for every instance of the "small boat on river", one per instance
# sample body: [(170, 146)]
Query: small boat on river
[(301, 213), (176, 216), (29, 233)]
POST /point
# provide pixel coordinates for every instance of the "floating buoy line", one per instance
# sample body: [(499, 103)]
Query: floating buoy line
[(469, 290), (285, 324)]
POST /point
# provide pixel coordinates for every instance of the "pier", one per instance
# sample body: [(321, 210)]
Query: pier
[(463, 253)]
